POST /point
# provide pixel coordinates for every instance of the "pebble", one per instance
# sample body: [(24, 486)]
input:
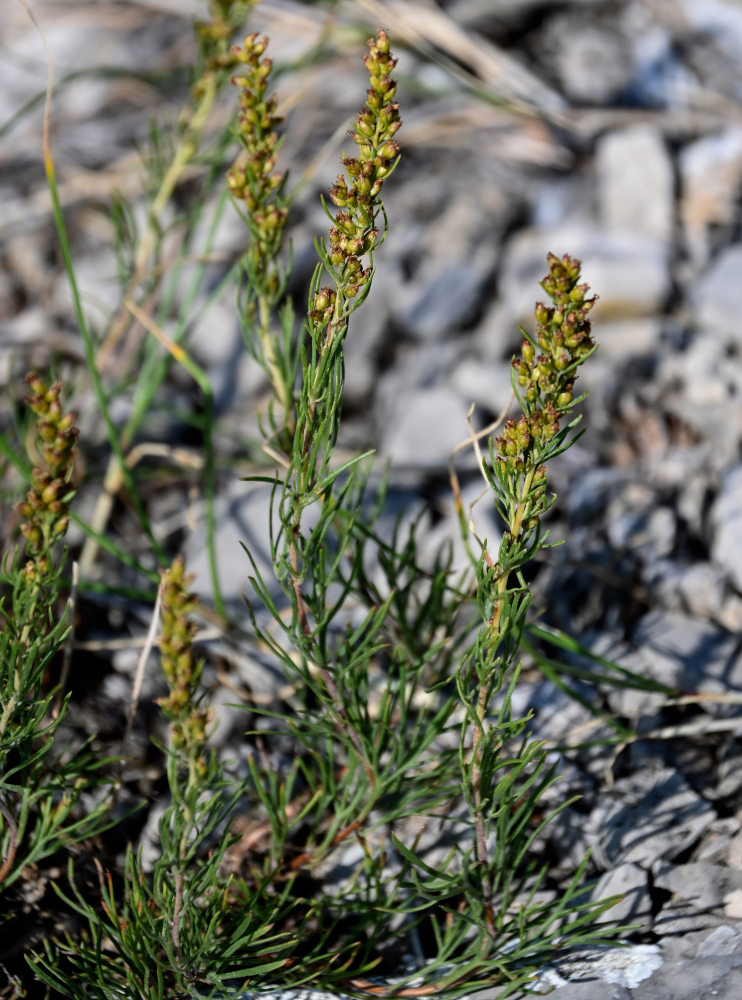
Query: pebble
[(710, 177), (631, 882), (700, 883), (726, 517), (714, 298), (635, 182), (683, 653)]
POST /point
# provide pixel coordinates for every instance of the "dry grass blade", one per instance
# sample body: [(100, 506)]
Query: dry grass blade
[(425, 26)]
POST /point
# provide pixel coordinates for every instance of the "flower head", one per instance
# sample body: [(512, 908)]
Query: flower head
[(45, 508), (545, 372), (356, 194)]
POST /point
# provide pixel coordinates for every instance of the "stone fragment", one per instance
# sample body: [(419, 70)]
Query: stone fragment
[(635, 182), (715, 297), (448, 301), (702, 589), (702, 389), (577, 46), (682, 653), (702, 884), (630, 881), (710, 178), (242, 517), (424, 428), (733, 904), (625, 968), (717, 842), (649, 816), (681, 919), (726, 519)]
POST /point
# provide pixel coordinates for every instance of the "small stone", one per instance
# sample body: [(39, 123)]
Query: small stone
[(635, 182), (710, 178), (680, 652), (448, 301), (717, 841), (715, 297), (726, 519), (624, 967), (723, 941), (630, 881), (425, 429), (577, 46), (702, 589), (700, 883)]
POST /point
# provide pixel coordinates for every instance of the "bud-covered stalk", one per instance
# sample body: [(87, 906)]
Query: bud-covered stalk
[(543, 378), (258, 185), (354, 233), (188, 721), (45, 508)]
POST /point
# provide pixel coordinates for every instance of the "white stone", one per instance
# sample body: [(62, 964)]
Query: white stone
[(733, 904), (635, 182), (716, 297), (710, 177)]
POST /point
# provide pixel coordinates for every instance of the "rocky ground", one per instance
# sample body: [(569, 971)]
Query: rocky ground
[(608, 130)]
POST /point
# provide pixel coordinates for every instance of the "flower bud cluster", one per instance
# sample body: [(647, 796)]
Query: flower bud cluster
[(547, 379), (354, 233), (253, 179), (46, 505), (182, 673), (214, 37)]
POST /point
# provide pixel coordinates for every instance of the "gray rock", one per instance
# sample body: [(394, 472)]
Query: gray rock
[(635, 182), (720, 21), (700, 883), (717, 842), (679, 918), (700, 388), (575, 46), (424, 428), (631, 882), (242, 518), (447, 302), (592, 490), (637, 523), (624, 968), (681, 652), (481, 516), (649, 816), (715, 298), (710, 177), (487, 386), (626, 339), (726, 518), (729, 773), (702, 589)]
